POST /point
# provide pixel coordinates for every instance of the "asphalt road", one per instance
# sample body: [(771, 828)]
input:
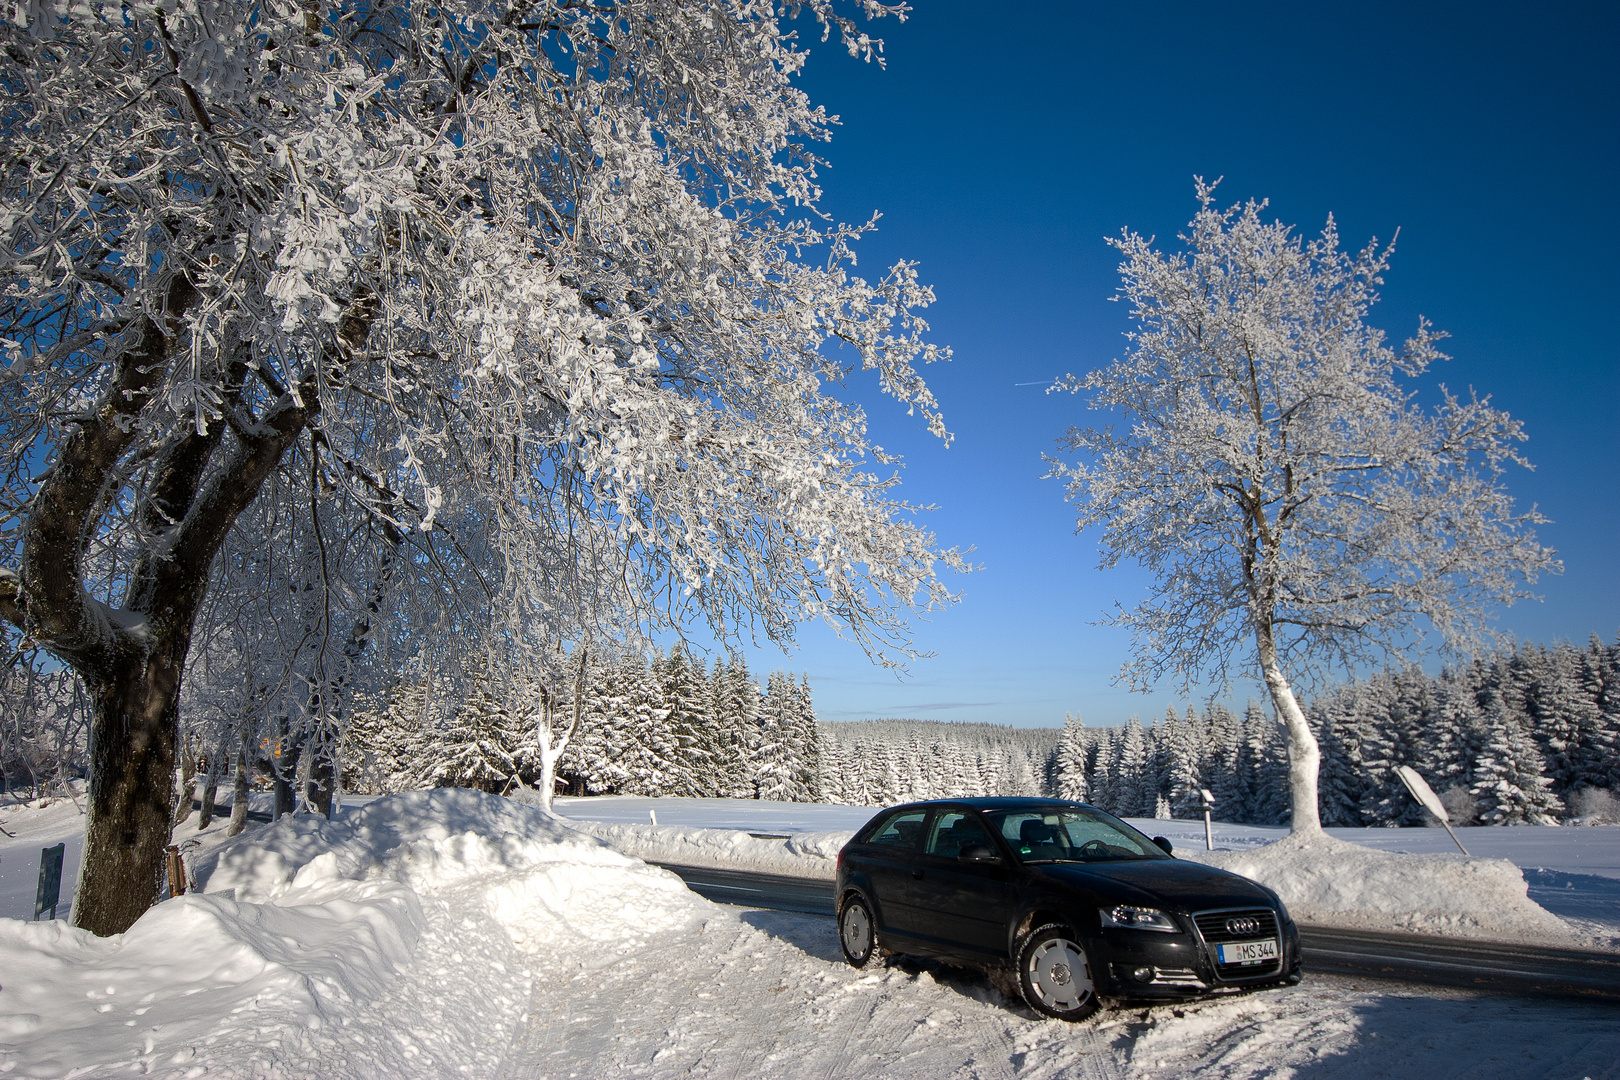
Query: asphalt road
[(1408, 958)]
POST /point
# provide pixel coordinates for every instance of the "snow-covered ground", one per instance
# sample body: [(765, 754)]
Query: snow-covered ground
[(453, 933)]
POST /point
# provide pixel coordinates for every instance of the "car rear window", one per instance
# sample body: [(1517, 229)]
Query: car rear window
[(902, 830)]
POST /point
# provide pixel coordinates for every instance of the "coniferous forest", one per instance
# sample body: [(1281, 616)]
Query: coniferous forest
[(1527, 736)]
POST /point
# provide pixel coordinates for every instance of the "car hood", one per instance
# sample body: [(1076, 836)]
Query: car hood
[(1162, 883)]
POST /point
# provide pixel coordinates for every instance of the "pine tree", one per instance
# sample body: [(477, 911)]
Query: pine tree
[(1133, 797), (1071, 760), (686, 703), (1225, 742), (1508, 780), (807, 742), (1263, 768), (1185, 741), (772, 766)]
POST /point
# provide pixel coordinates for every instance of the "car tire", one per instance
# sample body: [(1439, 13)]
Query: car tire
[(857, 934), (1055, 974)]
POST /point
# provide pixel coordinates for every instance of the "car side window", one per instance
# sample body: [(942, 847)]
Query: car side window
[(954, 830), (903, 830)]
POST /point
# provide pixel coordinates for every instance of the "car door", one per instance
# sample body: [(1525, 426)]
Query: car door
[(961, 907), (889, 858)]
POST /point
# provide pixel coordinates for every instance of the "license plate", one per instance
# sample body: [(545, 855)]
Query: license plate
[(1248, 952)]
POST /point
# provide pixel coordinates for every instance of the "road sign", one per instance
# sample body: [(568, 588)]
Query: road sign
[(49, 892), (1424, 794)]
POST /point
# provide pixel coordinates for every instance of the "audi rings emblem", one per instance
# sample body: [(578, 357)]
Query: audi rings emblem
[(1242, 926)]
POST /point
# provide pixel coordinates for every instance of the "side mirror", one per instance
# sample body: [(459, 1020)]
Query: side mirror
[(1165, 844), (978, 853)]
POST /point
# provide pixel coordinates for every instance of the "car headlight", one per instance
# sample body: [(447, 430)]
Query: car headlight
[(1138, 918)]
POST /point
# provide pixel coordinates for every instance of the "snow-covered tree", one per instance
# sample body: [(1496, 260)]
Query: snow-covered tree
[(535, 274), (1295, 507), (1071, 760), (1509, 784)]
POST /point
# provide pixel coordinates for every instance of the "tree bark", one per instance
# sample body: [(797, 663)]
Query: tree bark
[(1304, 757), (127, 827), (210, 793), (239, 795)]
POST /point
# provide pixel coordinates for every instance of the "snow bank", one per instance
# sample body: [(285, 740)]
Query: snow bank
[(804, 854), (1329, 882), (396, 940)]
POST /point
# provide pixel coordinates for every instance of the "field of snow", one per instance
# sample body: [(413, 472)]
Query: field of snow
[(453, 933)]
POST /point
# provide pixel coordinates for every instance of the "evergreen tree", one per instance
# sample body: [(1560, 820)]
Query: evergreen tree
[(807, 742), (1133, 795), (686, 703), (1071, 760), (1508, 780)]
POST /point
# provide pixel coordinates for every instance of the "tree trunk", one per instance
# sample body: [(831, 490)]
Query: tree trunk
[(239, 795), (322, 781), (132, 751), (210, 793), (284, 757), (187, 785), (1304, 758)]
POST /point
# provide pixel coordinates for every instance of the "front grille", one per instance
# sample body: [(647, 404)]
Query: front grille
[(1249, 924)]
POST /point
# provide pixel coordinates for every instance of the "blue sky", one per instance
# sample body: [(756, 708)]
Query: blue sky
[(1002, 150)]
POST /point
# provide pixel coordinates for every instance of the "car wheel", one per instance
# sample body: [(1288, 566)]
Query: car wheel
[(855, 932), (1055, 975)]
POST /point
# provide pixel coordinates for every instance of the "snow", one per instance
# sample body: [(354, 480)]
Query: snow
[(454, 933), (1331, 882)]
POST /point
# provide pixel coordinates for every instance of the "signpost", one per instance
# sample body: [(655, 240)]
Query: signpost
[(49, 892), (1424, 794), (1209, 804)]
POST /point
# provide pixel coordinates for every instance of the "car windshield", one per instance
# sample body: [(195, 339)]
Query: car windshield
[(1070, 834)]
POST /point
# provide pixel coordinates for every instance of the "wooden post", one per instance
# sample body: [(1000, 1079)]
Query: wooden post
[(177, 872)]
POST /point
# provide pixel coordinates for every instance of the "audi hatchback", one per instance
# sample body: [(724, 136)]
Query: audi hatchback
[(1075, 906)]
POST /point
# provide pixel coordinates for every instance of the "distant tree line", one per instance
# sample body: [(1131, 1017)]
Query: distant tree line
[(667, 725), (880, 762)]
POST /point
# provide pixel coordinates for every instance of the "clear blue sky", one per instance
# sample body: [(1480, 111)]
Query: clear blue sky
[(1003, 148)]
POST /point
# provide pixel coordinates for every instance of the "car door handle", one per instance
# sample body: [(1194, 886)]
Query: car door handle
[(916, 875)]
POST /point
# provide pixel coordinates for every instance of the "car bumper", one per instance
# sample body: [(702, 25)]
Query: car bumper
[(1146, 964)]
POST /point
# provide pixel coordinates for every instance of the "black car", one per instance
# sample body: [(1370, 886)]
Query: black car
[(1078, 905)]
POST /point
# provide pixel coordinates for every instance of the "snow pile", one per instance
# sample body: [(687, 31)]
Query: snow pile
[(396, 940), (802, 854), (1329, 882)]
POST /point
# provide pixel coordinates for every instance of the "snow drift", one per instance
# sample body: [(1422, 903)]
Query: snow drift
[(1330, 882), (392, 940)]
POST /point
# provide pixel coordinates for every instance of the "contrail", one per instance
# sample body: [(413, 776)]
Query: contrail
[(1040, 382)]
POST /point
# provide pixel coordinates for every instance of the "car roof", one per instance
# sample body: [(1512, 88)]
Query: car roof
[(1000, 802)]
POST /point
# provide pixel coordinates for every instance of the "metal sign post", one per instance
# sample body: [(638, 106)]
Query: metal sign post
[(1209, 805), (1424, 794), (49, 893)]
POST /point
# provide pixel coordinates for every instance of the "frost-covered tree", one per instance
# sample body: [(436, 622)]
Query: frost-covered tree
[(1296, 508), (1509, 784), (549, 276), (1071, 760)]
